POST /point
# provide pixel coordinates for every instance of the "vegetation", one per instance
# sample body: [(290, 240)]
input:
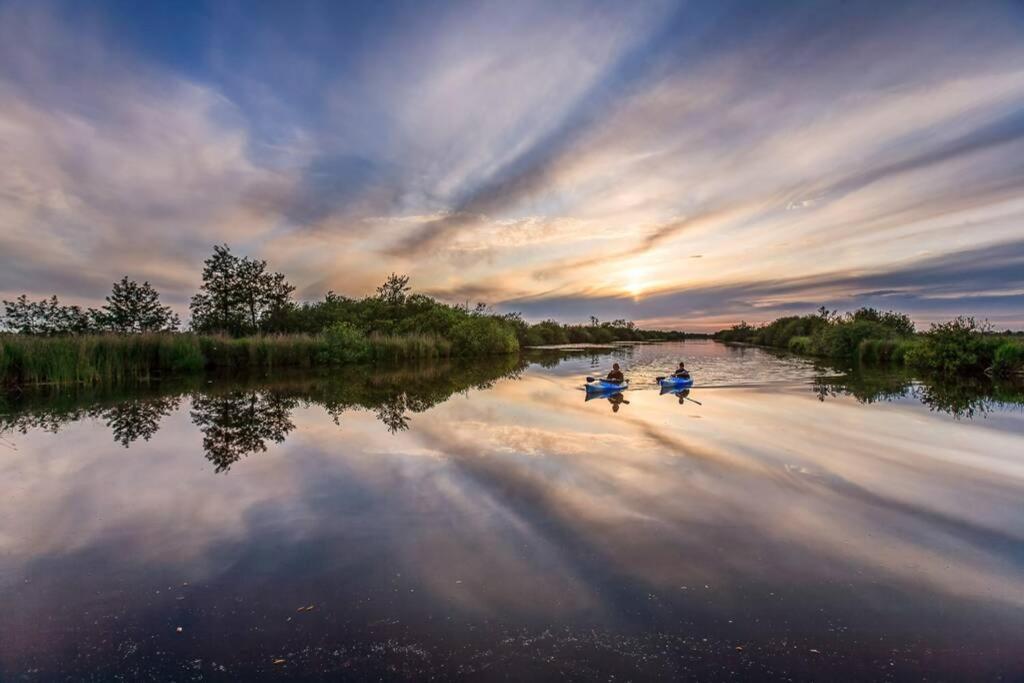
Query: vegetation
[(108, 358), (961, 397), (958, 347), (245, 415), (552, 333), (239, 296), (130, 308)]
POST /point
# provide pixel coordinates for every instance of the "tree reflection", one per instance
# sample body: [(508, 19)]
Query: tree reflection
[(960, 398), (240, 423), (238, 416), (140, 419)]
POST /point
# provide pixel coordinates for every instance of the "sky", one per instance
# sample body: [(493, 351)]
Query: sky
[(683, 165)]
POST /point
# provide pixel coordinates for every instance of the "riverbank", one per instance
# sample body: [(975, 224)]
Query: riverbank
[(91, 359), (960, 347)]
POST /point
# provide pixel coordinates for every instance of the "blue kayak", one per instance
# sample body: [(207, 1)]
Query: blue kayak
[(605, 386), (676, 382)]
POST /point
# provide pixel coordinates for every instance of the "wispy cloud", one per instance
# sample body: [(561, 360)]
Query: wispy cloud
[(541, 159)]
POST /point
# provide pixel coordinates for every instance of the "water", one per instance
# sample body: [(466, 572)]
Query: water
[(486, 521)]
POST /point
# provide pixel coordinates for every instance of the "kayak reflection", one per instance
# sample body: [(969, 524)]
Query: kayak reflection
[(682, 393), (612, 394)]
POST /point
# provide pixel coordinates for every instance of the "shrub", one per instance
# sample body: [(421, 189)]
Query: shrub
[(881, 351), (955, 347), (345, 343), (1009, 358), (843, 339), (482, 335), (800, 345)]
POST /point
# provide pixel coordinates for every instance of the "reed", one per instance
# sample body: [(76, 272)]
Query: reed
[(408, 346), (112, 358)]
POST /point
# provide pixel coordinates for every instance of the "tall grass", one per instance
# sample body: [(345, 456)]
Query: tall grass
[(91, 359), (406, 346), (886, 351)]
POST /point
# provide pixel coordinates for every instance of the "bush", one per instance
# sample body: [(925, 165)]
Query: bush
[(882, 351), (843, 339), (344, 343), (956, 347), (800, 345), (1008, 360), (482, 335)]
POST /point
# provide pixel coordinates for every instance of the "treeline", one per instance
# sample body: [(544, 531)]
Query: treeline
[(244, 315), (958, 347), (551, 333), (130, 308)]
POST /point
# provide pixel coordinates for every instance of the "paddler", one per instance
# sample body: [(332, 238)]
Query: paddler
[(616, 374)]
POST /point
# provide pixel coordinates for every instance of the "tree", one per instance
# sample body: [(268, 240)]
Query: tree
[(46, 316), (238, 295), (394, 289), (132, 307)]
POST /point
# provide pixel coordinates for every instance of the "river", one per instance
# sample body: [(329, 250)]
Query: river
[(486, 521)]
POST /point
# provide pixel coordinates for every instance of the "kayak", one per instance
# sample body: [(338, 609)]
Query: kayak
[(603, 385), (676, 382)]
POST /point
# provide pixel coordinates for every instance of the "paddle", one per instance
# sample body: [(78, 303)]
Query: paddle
[(694, 400), (658, 379), (594, 379)]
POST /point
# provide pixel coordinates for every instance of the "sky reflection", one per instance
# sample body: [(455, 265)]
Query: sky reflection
[(762, 517)]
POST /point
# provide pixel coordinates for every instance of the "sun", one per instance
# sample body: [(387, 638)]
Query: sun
[(636, 283)]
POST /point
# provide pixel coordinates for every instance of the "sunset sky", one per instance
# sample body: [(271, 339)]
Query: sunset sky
[(684, 165)]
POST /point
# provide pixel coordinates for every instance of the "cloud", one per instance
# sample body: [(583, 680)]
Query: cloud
[(543, 156), (988, 278)]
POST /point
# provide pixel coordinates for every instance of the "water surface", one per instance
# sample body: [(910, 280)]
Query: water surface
[(486, 521)]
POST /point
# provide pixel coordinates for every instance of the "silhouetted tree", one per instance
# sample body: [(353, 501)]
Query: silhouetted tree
[(238, 294), (132, 307), (394, 289), (46, 316)]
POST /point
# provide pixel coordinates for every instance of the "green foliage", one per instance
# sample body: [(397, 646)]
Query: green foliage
[(132, 307), (479, 335), (742, 332), (1008, 360), (831, 334), (955, 347), (800, 345), (899, 324), (843, 339), (394, 347), (552, 333), (885, 351), (345, 343), (239, 295)]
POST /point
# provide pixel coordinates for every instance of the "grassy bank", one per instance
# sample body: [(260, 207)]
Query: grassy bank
[(28, 359), (870, 337)]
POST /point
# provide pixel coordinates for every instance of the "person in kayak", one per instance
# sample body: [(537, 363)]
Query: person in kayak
[(616, 374), (681, 372)]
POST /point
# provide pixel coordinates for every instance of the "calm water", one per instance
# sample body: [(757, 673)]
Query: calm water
[(483, 522)]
